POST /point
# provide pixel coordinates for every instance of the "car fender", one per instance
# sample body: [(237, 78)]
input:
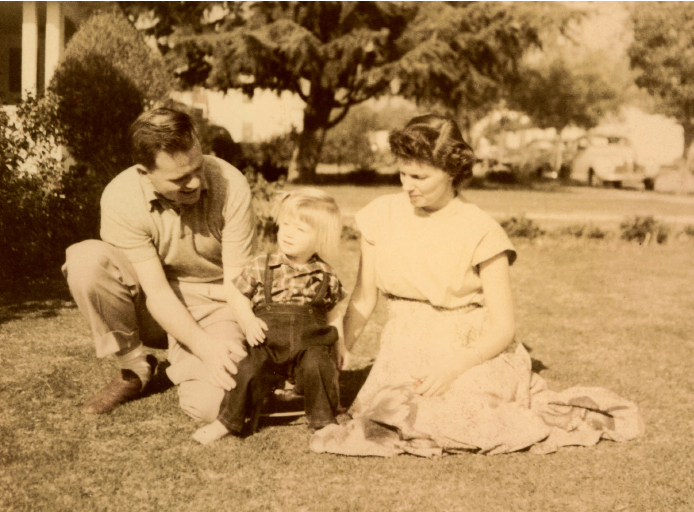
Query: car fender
[(603, 167)]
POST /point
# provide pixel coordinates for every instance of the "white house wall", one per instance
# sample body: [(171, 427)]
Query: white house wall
[(249, 120)]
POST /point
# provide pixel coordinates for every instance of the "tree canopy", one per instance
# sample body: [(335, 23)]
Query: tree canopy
[(558, 94), (663, 53), (334, 55), (106, 78)]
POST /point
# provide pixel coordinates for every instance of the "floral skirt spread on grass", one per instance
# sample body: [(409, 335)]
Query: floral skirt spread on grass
[(499, 406)]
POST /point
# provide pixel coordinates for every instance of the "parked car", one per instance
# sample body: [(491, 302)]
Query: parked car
[(607, 159), (493, 162), (542, 158)]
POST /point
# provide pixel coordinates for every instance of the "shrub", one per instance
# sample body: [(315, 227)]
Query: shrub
[(521, 227), (269, 158), (44, 208), (689, 230), (348, 141), (644, 230), (584, 231), (217, 141), (107, 77), (263, 200), (359, 177)]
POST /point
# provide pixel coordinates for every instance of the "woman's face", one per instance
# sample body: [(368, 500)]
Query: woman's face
[(429, 187)]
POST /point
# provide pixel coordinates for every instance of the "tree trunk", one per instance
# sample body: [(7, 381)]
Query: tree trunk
[(307, 155), (310, 142), (688, 128)]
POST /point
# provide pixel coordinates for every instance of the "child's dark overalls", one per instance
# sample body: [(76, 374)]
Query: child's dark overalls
[(299, 343)]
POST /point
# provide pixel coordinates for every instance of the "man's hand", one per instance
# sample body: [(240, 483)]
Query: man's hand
[(254, 329), (220, 359)]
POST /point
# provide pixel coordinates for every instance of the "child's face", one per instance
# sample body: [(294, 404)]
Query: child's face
[(296, 239)]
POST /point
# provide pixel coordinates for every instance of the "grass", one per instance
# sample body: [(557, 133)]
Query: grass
[(593, 312), (605, 207)]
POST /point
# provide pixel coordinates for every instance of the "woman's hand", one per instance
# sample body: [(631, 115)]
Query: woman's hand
[(439, 380), (343, 355)]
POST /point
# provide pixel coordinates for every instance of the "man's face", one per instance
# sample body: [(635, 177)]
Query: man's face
[(177, 177)]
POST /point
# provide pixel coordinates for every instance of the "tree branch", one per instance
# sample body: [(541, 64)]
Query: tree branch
[(339, 117)]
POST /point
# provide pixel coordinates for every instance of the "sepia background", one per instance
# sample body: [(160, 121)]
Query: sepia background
[(581, 115)]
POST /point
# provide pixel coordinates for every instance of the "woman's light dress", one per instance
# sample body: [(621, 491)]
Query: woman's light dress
[(427, 268)]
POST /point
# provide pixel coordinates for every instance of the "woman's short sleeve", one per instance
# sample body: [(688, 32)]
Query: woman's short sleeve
[(494, 242), (368, 220)]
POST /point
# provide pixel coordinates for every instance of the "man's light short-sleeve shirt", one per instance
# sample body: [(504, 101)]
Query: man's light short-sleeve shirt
[(193, 242)]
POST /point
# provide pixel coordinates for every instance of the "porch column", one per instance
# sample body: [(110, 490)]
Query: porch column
[(55, 39), (30, 47)]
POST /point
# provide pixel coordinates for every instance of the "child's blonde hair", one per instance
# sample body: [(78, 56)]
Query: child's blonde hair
[(317, 209)]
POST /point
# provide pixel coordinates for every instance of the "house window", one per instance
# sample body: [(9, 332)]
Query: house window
[(15, 70)]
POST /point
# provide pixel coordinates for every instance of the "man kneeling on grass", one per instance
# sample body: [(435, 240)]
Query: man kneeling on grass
[(177, 227)]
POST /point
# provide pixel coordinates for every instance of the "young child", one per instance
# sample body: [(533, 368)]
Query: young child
[(285, 305)]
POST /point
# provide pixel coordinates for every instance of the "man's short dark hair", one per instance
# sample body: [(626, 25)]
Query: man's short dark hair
[(161, 129)]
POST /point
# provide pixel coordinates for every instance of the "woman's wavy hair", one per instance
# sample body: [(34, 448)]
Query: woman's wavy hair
[(435, 140)]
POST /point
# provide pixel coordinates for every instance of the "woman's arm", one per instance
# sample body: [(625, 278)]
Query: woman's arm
[(500, 327), (336, 319), (364, 297), (497, 333)]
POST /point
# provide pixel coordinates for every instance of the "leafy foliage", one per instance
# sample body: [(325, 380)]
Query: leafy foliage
[(335, 55), (558, 95), (465, 55), (662, 52), (521, 227), (348, 142), (270, 158), (263, 200), (44, 208), (105, 80), (644, 230), (584, 231), (571, 80)]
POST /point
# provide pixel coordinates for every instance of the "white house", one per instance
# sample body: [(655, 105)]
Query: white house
[(248, 119), (32, 39)]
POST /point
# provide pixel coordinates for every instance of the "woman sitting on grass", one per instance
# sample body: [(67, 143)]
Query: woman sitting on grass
[(450, 375)]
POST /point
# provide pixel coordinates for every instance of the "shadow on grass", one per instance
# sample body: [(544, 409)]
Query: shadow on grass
[(160, 382), (350, 384), (537, 366), (277, 413), (39, 299)]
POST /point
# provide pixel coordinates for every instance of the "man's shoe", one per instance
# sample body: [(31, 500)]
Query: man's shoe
[(125, 386)]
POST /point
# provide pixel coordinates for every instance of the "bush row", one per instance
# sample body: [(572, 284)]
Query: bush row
[(644, 230)]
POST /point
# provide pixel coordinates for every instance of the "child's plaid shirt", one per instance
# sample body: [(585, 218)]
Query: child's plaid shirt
[(291, 283)]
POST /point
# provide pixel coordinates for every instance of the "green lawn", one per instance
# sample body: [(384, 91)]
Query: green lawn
[(568, 205), (604, 313)]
